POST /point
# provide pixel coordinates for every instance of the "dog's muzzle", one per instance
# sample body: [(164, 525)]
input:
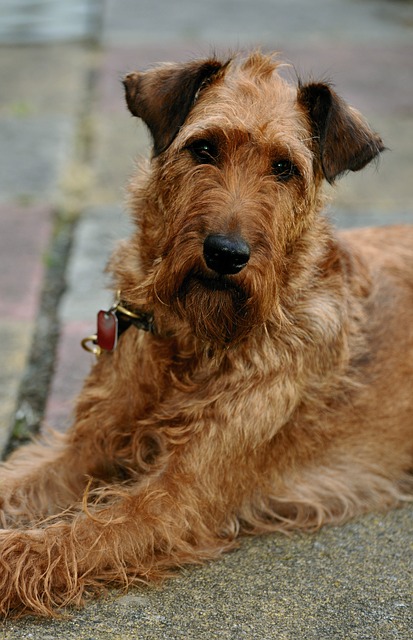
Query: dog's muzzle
[(226, 255)]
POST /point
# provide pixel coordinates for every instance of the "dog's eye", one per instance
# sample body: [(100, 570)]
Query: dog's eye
[(284, 170), (203, 151)]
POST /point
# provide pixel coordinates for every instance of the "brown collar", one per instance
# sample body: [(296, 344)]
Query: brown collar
[(112, 323)]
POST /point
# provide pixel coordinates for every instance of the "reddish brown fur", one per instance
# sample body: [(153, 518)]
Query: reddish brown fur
[(276, 398)]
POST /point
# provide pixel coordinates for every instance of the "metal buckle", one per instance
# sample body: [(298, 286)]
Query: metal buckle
[(93, 347)]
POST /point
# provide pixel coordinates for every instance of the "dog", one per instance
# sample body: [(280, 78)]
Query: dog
[(255, 370)]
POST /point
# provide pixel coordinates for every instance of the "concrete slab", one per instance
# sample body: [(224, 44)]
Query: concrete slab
[(37, 148), (26, 22), (40, 80), (386, 186), (250, 23), (123, 137), (351, 218), (346, 583)]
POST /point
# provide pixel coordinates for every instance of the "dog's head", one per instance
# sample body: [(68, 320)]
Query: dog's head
[(232, 199)]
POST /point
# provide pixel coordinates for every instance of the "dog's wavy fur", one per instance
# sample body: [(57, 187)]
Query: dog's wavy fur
[(273, 399)]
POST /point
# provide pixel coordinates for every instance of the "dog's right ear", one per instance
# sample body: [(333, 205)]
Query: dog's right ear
[(163, 96)]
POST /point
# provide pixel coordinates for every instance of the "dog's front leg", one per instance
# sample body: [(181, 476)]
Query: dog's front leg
[(122, 535)]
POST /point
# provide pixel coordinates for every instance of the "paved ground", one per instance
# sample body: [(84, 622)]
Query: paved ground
[(66, 147)]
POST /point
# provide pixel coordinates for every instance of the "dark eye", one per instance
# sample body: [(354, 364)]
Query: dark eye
[(284, 170), (203, 151)]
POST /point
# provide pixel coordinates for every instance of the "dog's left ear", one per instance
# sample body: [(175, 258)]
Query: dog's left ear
[(163, 96), (345, 140)]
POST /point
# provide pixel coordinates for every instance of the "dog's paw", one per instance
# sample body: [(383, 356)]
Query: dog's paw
[(30, 570)]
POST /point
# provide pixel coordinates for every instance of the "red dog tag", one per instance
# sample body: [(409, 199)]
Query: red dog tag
[(107, 334)]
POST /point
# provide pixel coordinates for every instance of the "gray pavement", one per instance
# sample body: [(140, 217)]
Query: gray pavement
[(67, 146)]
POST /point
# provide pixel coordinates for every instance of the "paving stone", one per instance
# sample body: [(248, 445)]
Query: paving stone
[(96, 235), (236, 22), (15, 339), (386, 186), (37, 148), (350, 218), (26, 22), (40, 80), (24, 238), (71, 368), (127, 138)]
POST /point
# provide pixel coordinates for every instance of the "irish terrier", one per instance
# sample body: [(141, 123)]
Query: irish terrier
[(267, 382)]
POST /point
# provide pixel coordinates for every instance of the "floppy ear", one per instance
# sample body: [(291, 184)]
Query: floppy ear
[(163, 96), (345, 140)]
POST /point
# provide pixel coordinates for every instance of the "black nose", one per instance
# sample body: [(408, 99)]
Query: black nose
[(226, 254)]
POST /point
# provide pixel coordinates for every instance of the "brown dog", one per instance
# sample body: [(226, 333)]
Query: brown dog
[(272, 389)]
